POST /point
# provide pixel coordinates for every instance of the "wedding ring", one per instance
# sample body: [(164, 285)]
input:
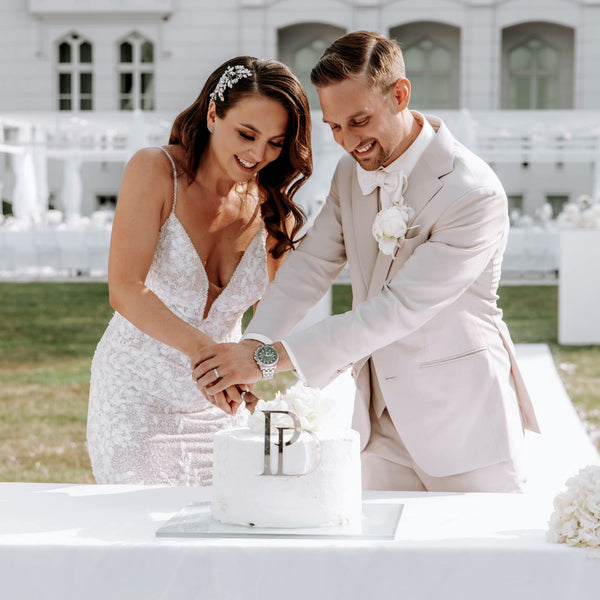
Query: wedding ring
[(242, 394), (216, 372)]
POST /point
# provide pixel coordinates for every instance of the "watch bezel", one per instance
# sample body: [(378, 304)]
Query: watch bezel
[(258, 355)]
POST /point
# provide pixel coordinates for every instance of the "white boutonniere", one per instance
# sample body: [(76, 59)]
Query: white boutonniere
[(391, 226)]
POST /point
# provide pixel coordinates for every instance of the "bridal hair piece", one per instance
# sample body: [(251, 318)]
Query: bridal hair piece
[(230, 77), (280, 179)]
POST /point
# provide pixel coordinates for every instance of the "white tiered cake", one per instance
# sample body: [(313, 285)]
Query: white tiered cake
[(316, 480)]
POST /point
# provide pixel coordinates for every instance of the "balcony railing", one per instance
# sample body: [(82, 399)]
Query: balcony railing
[(497, 136), (528, 136)]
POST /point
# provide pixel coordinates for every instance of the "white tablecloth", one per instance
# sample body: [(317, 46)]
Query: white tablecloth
[(58, 249), (529, 249), (532, 249), (98, 542), (579, 290)]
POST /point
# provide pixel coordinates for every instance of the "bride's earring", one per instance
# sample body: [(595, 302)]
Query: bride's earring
[(211, 128)]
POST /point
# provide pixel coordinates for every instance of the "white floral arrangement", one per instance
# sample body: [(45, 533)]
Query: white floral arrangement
[(315, 409), (391, 226), (576, 517), (583, 213)]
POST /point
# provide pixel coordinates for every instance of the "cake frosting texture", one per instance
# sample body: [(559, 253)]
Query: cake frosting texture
[(317, 483)]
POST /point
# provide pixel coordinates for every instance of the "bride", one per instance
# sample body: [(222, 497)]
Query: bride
[(200, 228)]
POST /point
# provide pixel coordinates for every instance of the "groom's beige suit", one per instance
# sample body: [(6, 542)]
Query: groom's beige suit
[(426, 318)]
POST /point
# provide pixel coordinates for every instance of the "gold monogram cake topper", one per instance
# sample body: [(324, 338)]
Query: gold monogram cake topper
[(281, 443)]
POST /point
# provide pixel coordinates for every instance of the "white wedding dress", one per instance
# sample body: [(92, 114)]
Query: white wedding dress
[(147, 421)]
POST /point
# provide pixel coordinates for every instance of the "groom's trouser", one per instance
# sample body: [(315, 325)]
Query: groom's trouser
[(387, 464)]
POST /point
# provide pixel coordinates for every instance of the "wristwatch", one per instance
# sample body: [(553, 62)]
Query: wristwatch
[(266, 357)]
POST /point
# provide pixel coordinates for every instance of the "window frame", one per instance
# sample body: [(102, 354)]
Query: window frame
[(75, 69), (137, 70)]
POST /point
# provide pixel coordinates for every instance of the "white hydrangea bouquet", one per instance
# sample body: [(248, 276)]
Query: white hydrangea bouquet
[(315, 409), (576, 517)]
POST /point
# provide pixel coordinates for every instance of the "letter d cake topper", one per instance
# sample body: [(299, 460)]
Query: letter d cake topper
[(281, 444)]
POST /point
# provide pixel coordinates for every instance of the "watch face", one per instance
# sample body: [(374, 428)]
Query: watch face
[(267, 355)]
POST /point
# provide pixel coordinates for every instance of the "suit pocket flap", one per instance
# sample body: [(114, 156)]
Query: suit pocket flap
[(441, 361)]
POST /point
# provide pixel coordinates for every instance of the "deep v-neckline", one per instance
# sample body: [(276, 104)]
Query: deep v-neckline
[(203, 269)]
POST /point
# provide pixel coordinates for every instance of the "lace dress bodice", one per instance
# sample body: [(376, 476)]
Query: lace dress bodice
[(147, 421)]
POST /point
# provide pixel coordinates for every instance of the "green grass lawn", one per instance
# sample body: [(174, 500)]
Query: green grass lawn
[(48, 332)]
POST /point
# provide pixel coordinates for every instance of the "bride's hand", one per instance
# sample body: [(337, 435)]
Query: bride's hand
[(242, 393), (221, 366), (251, 400), (223, 401), (231, 399)]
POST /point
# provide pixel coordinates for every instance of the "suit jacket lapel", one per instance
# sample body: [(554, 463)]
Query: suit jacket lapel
[(425, 180), (364, 209), (380, 271), (423, 184)]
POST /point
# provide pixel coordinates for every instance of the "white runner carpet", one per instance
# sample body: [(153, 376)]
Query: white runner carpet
[(563, 447)]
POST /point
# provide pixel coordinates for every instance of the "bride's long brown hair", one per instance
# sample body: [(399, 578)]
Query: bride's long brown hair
[(280, 179)]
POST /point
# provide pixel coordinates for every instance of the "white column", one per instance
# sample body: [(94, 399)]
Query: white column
[(24, 200), (137, 137), (480, 62), (71, 193), (40, 165), (596, 182)]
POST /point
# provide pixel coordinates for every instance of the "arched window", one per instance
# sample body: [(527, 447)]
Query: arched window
[(301, 46), (537, 67), (74, 62), (136, 73), (432, 59)]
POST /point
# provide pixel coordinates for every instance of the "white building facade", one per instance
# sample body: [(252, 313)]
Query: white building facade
[(516, 80)]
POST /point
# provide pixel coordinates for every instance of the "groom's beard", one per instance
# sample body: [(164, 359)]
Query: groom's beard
[(372, 159), (375, 158)]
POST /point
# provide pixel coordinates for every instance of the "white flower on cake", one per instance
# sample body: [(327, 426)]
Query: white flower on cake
[(314, 409), (576, 517), (390, 227)]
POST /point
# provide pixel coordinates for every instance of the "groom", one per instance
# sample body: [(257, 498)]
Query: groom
[(440, 404)]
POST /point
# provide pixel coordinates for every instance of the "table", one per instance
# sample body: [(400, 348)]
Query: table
[(532, 249), (74, 250), (84, 541), (529, 250), (579, 289)]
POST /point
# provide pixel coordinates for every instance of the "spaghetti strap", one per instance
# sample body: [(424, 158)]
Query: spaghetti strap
[(174, 177)]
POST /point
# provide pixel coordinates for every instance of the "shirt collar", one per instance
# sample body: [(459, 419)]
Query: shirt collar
[(408, 159)]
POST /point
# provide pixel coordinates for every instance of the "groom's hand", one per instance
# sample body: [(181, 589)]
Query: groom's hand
[(221, 366)]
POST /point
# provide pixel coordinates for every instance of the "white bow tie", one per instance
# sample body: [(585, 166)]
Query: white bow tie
[(393, 185)]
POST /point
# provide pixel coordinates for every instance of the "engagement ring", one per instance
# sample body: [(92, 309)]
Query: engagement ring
[(216, 372)]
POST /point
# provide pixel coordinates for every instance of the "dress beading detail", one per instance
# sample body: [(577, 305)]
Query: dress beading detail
[(147, 421)]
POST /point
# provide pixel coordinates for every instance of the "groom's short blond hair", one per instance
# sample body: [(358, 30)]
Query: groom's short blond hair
[(360, 53)]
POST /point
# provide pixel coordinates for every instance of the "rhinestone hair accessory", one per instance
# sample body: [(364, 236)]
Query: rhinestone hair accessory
[(230, 77)]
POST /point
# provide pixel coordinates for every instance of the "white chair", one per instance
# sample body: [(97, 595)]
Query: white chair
[(7, 253), (97, 243), (73, 250), (48, 252), (25, 250)]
